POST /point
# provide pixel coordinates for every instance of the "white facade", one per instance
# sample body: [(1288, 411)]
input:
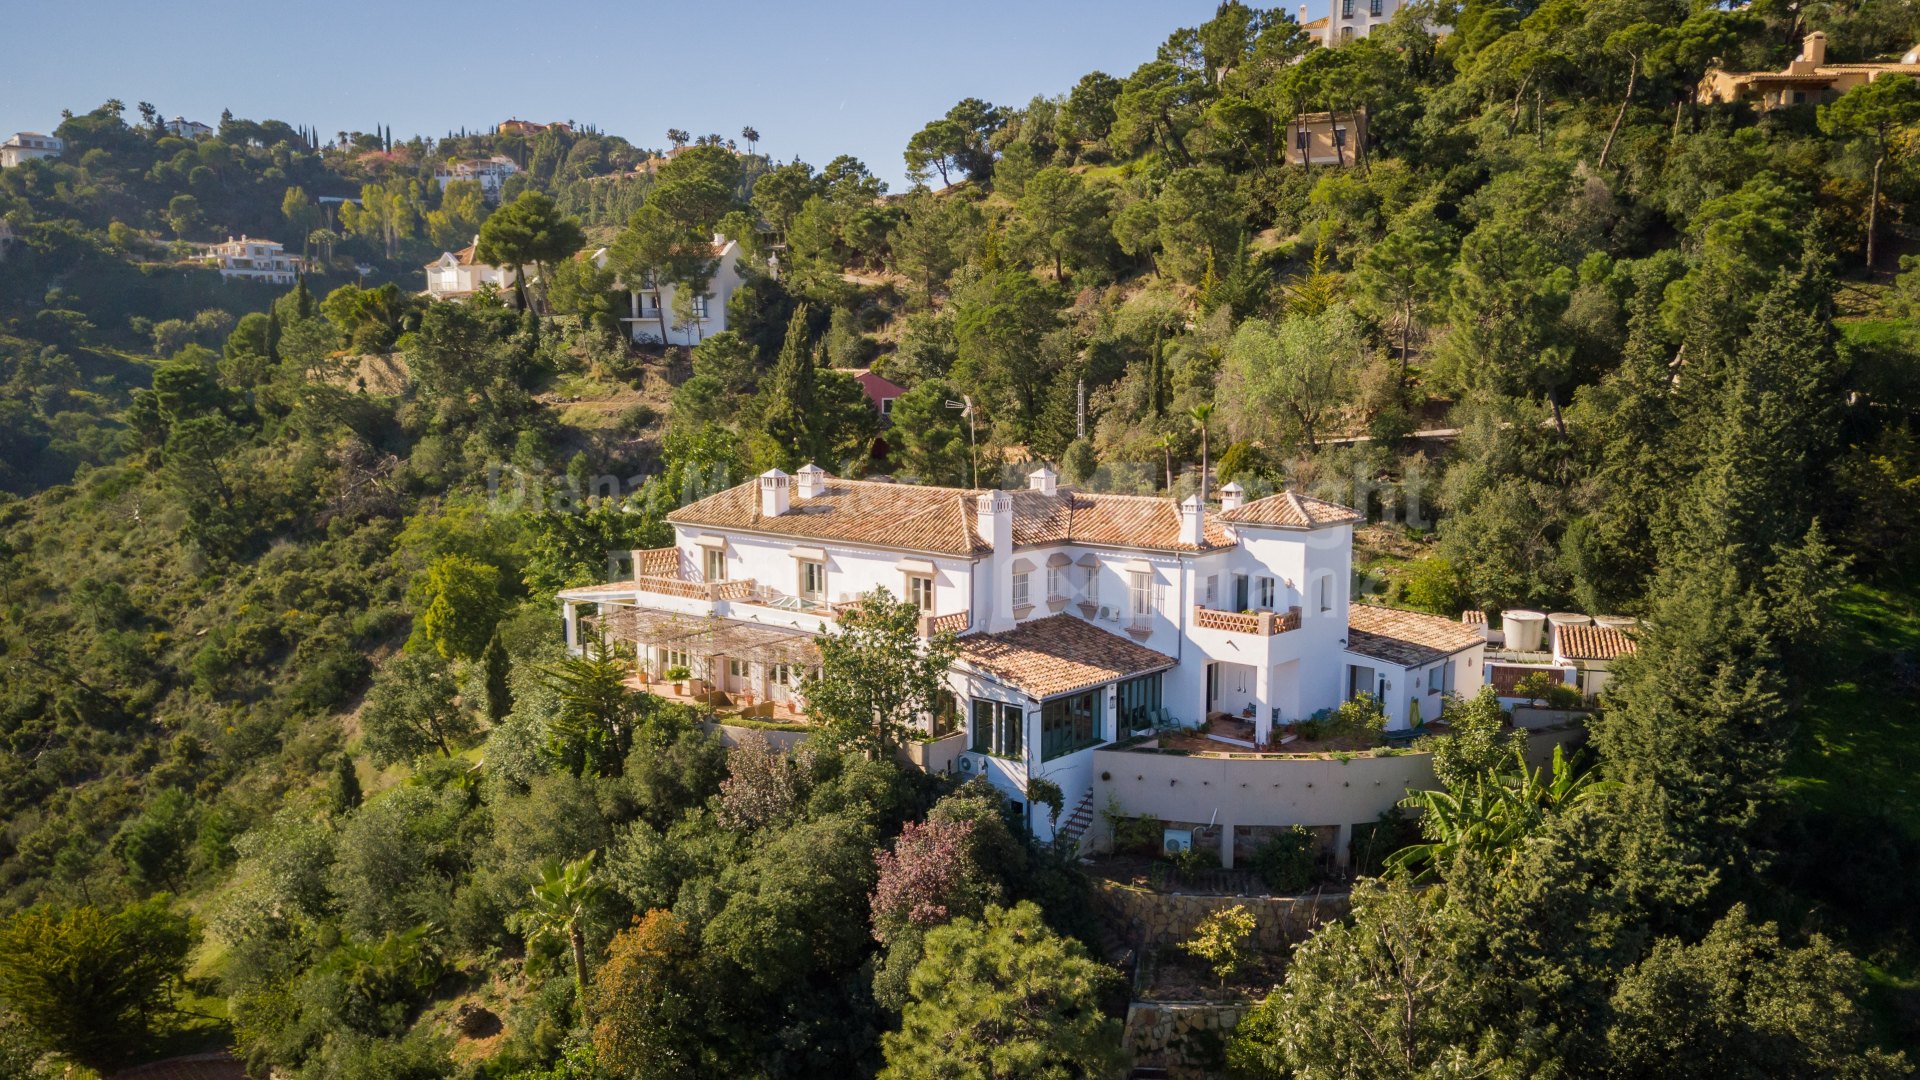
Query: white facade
[(1349, 19), (491, 172), (253, 259), (28, 146), (187, 129), (652, 318), (1237, 617), (455, 275)]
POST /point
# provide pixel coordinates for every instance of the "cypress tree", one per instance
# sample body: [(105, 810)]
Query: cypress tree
[(302, 298), (498, 666), (787, 416), (344, 789)]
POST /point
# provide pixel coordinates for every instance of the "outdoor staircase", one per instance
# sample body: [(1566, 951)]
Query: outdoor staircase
[(1077, 823)]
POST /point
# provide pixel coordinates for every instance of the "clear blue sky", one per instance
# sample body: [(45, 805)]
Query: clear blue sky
[(816, 77)]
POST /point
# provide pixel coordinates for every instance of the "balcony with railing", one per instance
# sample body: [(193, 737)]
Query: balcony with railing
[(1262, 623)]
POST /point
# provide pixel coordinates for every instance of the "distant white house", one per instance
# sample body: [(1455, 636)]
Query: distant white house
[(1349, 19), (491, 172), (187, 129), (253, 259), (28, 146), (456, 275), (652, 318)]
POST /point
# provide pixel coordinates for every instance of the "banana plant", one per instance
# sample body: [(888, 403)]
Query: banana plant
[(1489, 816)]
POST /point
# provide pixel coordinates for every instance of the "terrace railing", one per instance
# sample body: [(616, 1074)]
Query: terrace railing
[(1264, 623), (739, 589)]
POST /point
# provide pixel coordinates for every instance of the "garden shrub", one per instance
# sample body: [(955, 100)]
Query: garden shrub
[(1285, 863)]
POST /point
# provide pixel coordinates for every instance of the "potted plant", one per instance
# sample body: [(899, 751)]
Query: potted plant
[(678, 676)]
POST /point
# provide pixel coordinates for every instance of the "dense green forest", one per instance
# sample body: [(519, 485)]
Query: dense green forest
[(292, 760)]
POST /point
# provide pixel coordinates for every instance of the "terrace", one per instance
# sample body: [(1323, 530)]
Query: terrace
[(728, 666), (1263, 623)]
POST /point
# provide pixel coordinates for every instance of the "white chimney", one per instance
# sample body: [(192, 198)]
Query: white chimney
[(1193, 522), (993, 523), (993, 520), (1044, 480), (812, 481), (1233, 496), (773, 493)]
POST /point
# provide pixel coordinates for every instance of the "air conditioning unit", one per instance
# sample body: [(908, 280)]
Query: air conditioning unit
[(966, 762), (1174, 841), (1108, 614)]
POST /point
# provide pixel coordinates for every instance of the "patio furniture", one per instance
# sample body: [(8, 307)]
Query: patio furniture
[(1405, 738)]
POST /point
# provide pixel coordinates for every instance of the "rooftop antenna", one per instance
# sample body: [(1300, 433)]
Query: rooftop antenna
[(968, 409)]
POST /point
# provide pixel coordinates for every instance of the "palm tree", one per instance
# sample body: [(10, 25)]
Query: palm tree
[(1165, 445), (752, 136), (1202, 417), (678, 137), (564, 895)]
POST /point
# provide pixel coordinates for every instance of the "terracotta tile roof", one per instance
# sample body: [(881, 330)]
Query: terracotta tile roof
[(1406, 638), (1290, 510), (1057, 655), (908, 516), (1592, 642), (941, 519), (463, 257), (1143, 521)]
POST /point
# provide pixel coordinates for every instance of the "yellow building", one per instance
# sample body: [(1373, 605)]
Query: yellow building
[(1808, 80), (1325, 138)]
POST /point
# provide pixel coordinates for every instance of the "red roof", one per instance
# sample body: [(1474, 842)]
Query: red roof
[(878, 389)]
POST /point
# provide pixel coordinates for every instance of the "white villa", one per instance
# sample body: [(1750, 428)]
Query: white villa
[(456, 276), (652, 319), (25, 146), (1349, 19), (490, 172), (187, 129), (1082, 618), (253, 259)]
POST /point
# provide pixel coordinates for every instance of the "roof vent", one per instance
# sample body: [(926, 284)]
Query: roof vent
[(1233, 496)]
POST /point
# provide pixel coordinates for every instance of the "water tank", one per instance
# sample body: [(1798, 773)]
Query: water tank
[(1617, 622), (1566, 618), (1524, 630)]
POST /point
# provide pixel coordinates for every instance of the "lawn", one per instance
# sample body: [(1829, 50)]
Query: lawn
[(1857, 752)]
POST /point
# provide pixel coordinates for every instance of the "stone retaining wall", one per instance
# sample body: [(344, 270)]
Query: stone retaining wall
[(732, 734), (1186, 1039), (1144, 917)]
